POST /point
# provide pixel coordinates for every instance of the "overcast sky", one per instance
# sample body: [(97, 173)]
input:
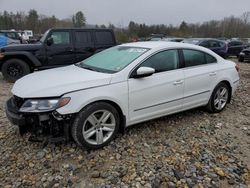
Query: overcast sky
[(120, 12)]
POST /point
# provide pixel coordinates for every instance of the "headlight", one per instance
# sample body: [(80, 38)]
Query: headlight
[(43, 105), (242, 53)]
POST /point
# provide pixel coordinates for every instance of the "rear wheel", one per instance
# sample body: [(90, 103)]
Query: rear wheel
[(14, 69), (219, 98), (96, 125)]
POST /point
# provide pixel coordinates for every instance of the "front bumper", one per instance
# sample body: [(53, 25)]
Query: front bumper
[(15, 119), (49, 124)]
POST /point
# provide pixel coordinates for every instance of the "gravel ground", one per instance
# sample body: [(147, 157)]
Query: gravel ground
[(189, 149)]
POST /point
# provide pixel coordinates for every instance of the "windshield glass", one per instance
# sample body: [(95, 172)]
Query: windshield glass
[(44, 36), (113, 59)]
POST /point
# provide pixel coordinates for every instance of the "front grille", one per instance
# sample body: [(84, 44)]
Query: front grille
[(17, 101)]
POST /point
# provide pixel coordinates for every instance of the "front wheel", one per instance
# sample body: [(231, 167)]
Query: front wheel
[(96, 125), (219, 98), (14, 69)]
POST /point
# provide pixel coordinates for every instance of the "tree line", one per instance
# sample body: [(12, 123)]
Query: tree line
[(38, 23), (228, 27)]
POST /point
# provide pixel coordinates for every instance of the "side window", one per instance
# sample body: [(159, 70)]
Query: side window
[(83, 37), (238, 43), (193, 58), (214, 44), (210, 59), (61, 37), (104, 37), (205, 44), (163, 61)]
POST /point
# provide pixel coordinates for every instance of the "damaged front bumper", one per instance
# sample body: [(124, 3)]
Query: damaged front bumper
[(44, 127)]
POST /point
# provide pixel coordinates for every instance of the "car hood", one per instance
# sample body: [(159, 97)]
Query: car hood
[(21, 47), (56, 82)]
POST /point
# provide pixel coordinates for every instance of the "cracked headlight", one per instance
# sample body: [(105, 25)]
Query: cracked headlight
[(43, 105)]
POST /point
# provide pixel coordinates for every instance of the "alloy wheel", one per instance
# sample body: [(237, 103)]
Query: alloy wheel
[(99, 127), (221, 98)]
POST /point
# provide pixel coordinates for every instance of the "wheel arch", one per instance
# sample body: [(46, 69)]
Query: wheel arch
[(27, 57)]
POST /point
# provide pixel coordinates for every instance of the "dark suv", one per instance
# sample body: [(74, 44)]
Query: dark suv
[(235, 47), (58, 47)]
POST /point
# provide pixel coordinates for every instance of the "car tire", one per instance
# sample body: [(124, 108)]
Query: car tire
[(241, 59), (219, 98), (96, 125), (13, 69)]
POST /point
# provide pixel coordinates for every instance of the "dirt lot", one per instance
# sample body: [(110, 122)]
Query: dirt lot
[(189, 149)]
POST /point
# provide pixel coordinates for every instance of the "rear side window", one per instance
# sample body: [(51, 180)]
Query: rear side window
[(83, 37), (210, 59), (205, 44), (193, 58), (215, 44), (104, 37)]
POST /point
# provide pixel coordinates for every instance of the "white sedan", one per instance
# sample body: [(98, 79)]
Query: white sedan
[(118, 87)]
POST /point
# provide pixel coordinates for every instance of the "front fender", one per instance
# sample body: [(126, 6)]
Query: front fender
[(116, 93), (29, 55)]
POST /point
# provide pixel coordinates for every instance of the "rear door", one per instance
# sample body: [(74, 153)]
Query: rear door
[(103, 39), (84, 44), (200, 74), (61, 52)]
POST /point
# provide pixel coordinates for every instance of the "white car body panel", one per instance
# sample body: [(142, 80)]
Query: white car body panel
[(155, 95), (56, 82), (199, 82), (139, 99)]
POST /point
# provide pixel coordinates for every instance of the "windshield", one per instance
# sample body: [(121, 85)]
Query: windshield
[(113, 59), (44, 36)]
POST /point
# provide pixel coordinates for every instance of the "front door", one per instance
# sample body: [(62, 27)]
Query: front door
[(160, 93), (61, 51)]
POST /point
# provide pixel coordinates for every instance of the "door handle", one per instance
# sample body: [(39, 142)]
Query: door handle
[(212, 73), (179, 82)]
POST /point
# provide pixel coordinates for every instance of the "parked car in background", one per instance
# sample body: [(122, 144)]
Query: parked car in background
[(244, 55), (235, 47), (57, 47), (173, 39), (4, 41), (168, 39), (11, 34), (218, 46), (118, 87)]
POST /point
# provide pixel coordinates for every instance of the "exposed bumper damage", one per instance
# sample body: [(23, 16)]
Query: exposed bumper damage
[(46, 127)]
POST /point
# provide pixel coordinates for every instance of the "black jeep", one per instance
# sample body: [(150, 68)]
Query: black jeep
[(57, 47)]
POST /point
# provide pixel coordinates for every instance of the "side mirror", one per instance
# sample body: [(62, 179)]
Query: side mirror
[(144, 72), (50, 41)]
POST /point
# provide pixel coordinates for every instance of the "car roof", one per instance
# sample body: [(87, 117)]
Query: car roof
[(161, 44)]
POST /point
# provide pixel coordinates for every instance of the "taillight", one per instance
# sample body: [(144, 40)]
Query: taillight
[(237, 67)]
